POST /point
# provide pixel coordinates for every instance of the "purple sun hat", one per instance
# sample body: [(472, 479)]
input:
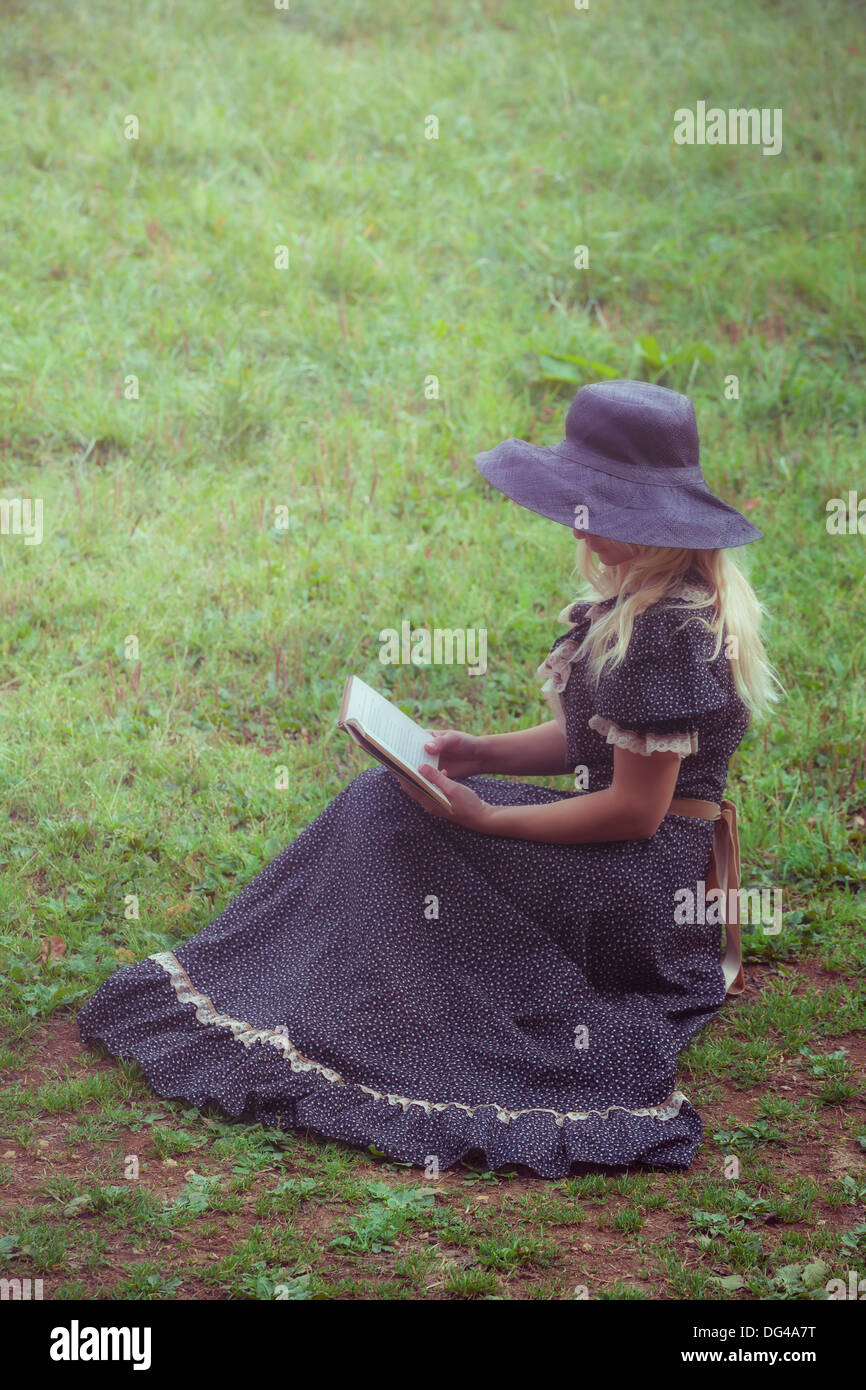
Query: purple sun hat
[(631, 459)]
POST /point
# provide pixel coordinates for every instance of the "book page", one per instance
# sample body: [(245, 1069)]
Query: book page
[(399, 734)]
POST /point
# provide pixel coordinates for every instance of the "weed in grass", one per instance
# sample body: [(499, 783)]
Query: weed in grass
[(793, 1245), (633, 1185), (449, 1226), (293, 1194), (622, 1291), (271, 1252), (791, 1209), (390, 1214), (276, 1285), (96, 1131), (548, 1288), (201, 1193), (77, 1290), (33, 1240), (168, 1142), (747, 1136), (806, 1281), (146, 1282), (470, 1283), (551, 1211), (591, 1186), (847, 1191), (630, 1219), (838, 1092), (800, 1115), (416, 1267), (484, 1176), (506, 1249), (835, 1064), (855, 1239), (684, 1282)]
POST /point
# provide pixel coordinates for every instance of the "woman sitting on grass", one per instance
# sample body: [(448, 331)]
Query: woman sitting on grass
[(509, 976)]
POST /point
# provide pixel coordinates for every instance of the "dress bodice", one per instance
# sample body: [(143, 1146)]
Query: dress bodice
[(668, 693)]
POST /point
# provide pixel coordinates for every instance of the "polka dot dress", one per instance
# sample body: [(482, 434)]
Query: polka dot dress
[(395, 980)]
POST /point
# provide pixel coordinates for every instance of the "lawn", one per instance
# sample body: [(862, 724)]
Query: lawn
[(255, 326)]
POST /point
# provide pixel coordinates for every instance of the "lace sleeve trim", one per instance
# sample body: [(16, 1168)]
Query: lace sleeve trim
[(645, 744)]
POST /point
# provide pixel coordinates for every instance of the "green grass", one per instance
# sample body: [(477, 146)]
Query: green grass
[(171, 644)]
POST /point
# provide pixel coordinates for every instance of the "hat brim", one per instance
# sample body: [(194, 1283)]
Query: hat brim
[(553, 483)]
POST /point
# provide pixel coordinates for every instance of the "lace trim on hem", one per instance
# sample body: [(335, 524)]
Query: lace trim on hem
[(247, 1034), (645, 744), (668, 1111), (244, 1033)]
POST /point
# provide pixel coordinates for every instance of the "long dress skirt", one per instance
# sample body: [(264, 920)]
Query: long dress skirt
[(394, 980)]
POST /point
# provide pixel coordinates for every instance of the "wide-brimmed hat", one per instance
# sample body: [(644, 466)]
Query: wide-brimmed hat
[(631, 458)]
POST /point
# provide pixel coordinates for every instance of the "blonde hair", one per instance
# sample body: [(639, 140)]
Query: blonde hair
[(730, 610)]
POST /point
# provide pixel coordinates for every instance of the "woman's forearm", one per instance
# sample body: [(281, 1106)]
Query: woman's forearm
[(631, 808), (538, 752), (587, 819)]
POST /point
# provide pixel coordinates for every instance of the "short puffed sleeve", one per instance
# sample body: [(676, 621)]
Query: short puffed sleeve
[(665, 687)]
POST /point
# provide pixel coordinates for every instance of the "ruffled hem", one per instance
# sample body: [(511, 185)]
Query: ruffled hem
[(151, 1012), (645, 744)]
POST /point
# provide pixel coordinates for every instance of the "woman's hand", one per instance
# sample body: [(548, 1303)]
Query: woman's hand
[(467, 809), (459, 754)]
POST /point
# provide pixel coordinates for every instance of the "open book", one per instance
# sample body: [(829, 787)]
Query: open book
[(387, 734)]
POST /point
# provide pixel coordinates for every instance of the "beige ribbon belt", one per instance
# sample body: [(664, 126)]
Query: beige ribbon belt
[(724, 873)]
